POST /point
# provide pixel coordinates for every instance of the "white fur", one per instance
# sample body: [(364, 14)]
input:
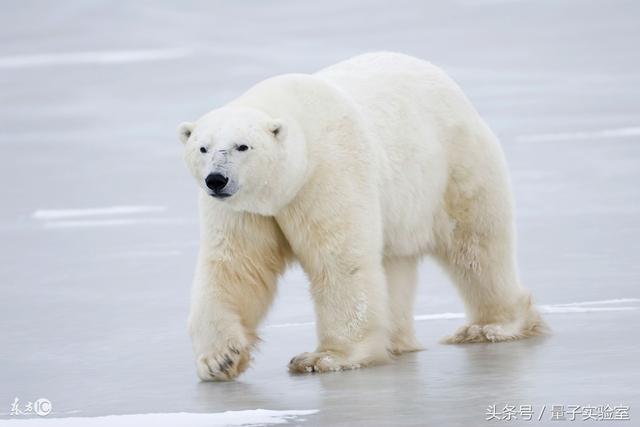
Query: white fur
[(376, 162)]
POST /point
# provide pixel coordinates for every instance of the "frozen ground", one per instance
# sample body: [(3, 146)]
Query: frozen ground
[(98, 224)]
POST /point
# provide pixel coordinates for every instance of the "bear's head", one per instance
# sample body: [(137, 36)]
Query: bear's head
[(244, 158)]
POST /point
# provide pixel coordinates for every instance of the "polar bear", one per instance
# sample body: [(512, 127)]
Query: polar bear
[(356, 172)]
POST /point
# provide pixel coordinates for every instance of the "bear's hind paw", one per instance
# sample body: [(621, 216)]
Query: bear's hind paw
[(492, 332)]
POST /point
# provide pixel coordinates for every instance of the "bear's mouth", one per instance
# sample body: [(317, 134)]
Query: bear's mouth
[(220, 195)]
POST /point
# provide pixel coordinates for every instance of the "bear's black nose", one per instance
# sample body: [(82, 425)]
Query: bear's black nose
[(216, 181)]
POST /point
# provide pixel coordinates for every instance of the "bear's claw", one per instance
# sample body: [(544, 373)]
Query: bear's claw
[(223, 366)]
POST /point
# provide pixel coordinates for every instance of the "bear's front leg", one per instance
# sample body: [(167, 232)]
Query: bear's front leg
[(241, 257), (221, 344)]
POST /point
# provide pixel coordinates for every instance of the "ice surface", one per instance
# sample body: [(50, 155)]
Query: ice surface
[(93, 308)]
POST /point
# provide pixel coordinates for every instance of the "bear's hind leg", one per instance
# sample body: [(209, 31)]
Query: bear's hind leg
[(498, 308), (402, 278)]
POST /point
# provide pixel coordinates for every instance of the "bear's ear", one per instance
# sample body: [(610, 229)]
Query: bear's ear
[(184, 131), (277, 128)]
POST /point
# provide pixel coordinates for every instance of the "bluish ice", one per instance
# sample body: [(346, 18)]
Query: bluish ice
[(98, 215)]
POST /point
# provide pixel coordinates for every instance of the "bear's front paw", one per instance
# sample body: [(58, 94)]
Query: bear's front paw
[(223, 365), (324, 361)]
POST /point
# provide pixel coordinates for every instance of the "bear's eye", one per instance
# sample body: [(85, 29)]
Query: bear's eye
[(203, 150), (242, 147)]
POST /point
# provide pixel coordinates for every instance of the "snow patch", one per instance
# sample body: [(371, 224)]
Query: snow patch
[(571, 307), (439, 316), (83, 218), (291, 325), (219, 419), (604, 301), (100, 57), (112, 222), (550, 309), (50, 214), (570, 136)]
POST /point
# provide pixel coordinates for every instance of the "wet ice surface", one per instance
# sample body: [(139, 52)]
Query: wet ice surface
[(93, 303)]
